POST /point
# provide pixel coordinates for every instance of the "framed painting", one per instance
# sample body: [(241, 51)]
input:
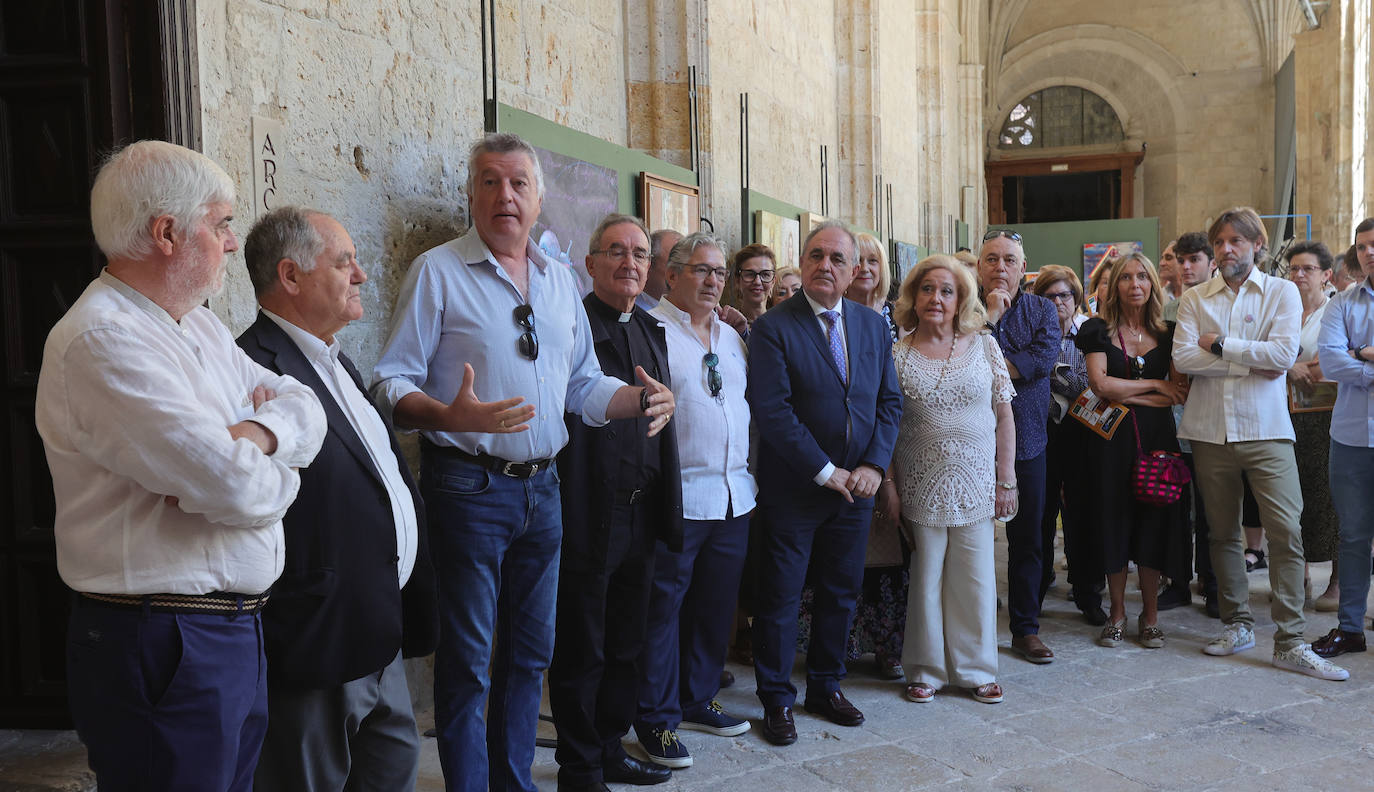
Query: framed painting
[(810, 220), (905, 255), (1095, 253), (577, 195), (1320, 397), (664, 203), (781, 234)]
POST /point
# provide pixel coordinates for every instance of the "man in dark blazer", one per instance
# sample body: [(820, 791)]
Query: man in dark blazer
[(825, 399), (622, 492), (357, 593)]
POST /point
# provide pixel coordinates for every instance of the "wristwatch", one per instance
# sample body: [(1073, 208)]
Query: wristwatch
[(1216, 347)]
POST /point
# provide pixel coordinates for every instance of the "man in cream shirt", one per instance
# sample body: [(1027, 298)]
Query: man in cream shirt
[(173, 459), (1236, 336)]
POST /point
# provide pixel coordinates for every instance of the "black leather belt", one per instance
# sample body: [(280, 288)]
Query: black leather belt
[(214, 602), (520, 470)]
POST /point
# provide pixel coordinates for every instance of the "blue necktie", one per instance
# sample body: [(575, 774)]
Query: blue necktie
[(836, 344)]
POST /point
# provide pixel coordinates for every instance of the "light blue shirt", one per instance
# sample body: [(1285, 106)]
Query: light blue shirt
[(456, 307), (1349, 324)]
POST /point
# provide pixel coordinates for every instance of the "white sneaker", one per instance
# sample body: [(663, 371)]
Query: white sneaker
[(1302, 659), (1234, 638)]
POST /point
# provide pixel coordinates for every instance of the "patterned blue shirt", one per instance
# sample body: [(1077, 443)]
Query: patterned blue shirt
[(1028, 333)]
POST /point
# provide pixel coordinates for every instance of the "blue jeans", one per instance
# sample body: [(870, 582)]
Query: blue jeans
[(1026, 548), (495, 544), (1351, 470)]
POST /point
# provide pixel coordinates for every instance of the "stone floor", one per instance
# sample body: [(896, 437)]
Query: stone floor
[(1097, 719)]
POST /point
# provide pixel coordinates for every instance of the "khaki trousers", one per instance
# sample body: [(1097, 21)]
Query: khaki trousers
[(1272, 470), (951, 612)]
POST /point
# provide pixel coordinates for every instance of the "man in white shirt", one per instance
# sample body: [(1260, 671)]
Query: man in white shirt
[(1236, 336), (173, 459), (358, 590), (692, 604)]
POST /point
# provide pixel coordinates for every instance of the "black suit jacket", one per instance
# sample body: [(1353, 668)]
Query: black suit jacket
[(586, 480), (338, 613)]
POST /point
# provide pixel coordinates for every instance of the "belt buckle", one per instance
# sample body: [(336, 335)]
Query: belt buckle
[(519, 469), (635, 495)]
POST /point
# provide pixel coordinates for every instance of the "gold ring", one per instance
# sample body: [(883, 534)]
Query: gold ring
[(503, 423)]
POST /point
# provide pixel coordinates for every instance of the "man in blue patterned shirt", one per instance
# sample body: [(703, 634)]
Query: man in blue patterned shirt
[(1027, 328)]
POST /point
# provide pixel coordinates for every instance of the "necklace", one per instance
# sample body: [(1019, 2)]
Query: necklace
[(940, 380)]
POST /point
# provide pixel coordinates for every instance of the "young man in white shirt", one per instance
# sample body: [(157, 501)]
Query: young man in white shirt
[(1236, 336)]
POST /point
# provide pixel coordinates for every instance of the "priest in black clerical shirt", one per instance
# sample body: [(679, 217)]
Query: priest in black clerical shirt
[(622, 492)]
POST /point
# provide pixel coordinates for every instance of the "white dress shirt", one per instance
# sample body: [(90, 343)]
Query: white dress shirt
[(367, 424), (134, 409), (712, 432), (455, 307), (1259, 325), (818, 309)]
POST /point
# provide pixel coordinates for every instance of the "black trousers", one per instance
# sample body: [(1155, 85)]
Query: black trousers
[(604, 580)]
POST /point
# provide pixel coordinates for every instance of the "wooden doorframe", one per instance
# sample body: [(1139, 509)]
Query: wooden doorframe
[(138, 63), (1126, 163)]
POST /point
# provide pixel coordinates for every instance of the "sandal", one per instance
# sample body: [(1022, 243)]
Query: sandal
[(1112, 635), (1149, 635), (1258, 563), (920, 692), (991, 693)]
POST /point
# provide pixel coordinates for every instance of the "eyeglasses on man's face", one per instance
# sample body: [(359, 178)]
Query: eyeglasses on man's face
[(529, 341), (620, 253), (701, 271)]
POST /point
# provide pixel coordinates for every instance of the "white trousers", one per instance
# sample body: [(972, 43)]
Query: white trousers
[(951, 611)]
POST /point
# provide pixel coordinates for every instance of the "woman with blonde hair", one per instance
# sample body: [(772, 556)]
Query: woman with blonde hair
[(1129, 351), (872, 279), (880, 613), (950, 478), (786, 282)]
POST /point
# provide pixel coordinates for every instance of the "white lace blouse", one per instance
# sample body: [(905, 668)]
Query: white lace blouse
[(947, 443)]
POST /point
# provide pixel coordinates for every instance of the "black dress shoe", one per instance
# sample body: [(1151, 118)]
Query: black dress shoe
[(630, 770), (835, 708), (1175, 595), (778, 726), (1093, 614), (590, 786), (727, 678), (1339, 642)]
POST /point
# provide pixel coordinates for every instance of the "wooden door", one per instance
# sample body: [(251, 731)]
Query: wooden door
[(77, 77)]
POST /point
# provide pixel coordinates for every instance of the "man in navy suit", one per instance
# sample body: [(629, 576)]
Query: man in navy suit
[(824, 396), (357, 592)]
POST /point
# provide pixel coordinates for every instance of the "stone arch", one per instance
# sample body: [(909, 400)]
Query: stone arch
[(1108, 61)]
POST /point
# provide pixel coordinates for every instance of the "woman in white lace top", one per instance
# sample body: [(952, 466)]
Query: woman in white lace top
[(954, 467)]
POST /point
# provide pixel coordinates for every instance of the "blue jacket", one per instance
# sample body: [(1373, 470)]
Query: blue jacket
[(805, 415)]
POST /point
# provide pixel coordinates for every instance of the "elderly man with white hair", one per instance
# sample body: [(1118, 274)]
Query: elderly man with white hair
[(173, 457)]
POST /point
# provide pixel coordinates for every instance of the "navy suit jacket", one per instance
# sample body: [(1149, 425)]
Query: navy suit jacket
[(338, 612), (805, 414)]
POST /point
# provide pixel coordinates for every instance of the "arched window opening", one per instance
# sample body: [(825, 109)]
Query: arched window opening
[(1058, 117)]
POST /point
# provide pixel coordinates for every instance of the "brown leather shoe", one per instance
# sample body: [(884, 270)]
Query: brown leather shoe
[(1032, 648), (778, 726), (1339, 642), (835, 708)]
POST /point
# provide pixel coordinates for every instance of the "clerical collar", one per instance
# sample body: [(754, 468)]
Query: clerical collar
[(609, 312)]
